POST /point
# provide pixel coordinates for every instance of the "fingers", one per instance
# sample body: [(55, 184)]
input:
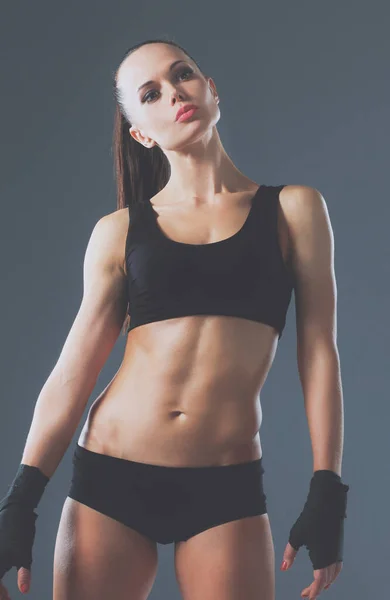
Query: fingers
[(323, 578), (336, 570), (3, 592), (24, 579), (289, 556), (314, 589)]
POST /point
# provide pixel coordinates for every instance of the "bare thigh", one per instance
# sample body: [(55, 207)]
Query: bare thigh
[(96, 557), (231, 561)]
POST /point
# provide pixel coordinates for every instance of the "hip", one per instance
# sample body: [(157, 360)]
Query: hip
[(167, 504)]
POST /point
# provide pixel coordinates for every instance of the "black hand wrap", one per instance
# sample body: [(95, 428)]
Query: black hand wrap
[(320, 526), (17, 518)]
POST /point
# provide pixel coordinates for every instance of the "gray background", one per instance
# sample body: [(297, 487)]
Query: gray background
[(304, 91)]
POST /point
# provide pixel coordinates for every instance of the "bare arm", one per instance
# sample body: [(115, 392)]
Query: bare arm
[(316, 320), (63, 398)]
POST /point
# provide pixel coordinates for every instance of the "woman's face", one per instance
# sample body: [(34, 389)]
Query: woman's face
[(153, 107)]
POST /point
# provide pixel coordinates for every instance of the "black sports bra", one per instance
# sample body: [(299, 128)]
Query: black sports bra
[(241, 276)]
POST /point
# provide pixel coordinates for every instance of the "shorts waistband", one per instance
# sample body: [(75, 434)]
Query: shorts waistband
[(96, 458)]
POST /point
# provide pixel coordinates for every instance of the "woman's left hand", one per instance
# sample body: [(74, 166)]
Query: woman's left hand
[(323, 578)]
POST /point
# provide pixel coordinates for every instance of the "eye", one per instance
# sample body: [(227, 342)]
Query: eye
[(180, 73)]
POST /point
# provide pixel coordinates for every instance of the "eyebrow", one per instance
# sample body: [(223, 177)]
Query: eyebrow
[(172, 66)]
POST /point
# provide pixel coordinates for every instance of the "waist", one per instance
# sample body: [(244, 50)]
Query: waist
[(153, 432)]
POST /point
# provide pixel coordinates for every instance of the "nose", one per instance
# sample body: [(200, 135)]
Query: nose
[(178, 96)]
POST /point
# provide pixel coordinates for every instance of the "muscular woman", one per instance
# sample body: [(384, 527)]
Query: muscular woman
[(196, 267)]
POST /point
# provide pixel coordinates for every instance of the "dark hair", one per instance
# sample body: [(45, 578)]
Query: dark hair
[(140, 172)]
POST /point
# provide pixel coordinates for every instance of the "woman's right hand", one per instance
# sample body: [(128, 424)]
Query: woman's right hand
[(17, 533), (24, 582)]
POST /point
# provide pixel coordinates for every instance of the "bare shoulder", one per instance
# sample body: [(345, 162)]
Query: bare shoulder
[(112, 231), (303, 207), (296, 201), (308, 224), (302, 211)]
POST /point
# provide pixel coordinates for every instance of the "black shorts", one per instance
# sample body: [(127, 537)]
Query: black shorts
[(167, 504)]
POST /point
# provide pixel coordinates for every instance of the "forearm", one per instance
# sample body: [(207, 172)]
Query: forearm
[(322, 388), (57, 413)]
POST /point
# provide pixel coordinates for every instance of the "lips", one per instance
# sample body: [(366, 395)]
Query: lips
[(184, 109)]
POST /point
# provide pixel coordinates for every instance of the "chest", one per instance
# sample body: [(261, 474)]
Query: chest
[(210, 225)]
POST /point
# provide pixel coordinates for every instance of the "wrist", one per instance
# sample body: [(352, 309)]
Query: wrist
[(27, 487)]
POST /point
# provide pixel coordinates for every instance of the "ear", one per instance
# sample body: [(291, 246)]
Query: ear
[(213, 88), (138, 136)]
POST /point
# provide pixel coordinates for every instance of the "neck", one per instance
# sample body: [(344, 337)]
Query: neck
[(203, 171)]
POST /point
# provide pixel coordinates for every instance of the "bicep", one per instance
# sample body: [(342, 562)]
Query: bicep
[(102, 311), (313, 269)]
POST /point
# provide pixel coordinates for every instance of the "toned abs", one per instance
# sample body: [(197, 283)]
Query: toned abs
[(187, 392)]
